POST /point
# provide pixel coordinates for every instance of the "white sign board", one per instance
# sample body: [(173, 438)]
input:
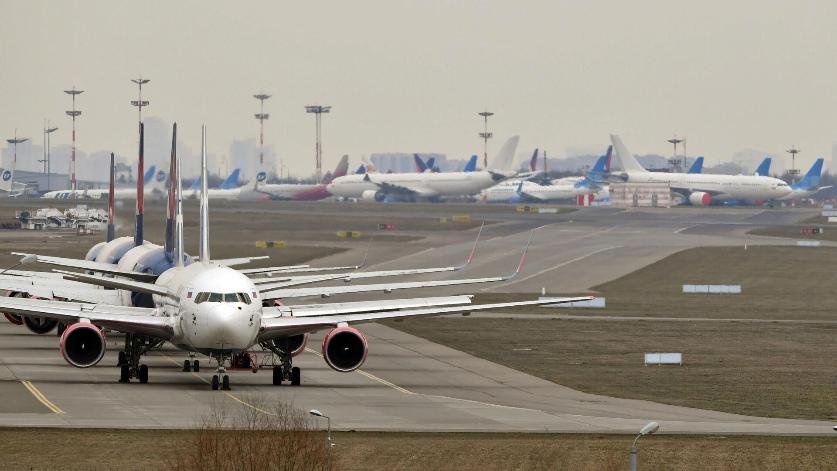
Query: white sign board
[(712, 289), (829, 213), (828, 206), (832, 219), (808, 243), (663, 359)]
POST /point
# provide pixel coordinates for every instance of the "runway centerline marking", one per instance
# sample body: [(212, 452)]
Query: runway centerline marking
[(678, 231), (41, 398), (226, 393)]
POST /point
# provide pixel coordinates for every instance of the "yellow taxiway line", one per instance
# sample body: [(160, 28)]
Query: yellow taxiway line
[(41, 398)]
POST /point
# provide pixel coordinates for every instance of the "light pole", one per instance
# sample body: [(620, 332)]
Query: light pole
[(261, 116), (329, 443), (14, 142), (73, 114), (674, 161), (139, 102), (793, 151), (650, 428), (318, 111), (47, 131), (485, 135)]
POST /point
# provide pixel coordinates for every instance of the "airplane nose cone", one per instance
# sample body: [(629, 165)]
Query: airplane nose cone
[(226, 326)]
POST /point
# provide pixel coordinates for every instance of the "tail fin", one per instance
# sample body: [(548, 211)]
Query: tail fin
[(763, 169), (420, 165), (196, 184), (503, 159), (149, 175), (232, 180), (204, 222), (171, 208), (111, 190), (697, 165), (138, 236), (471, 165), (812, 178), (600, 165), (629, 162), (340, 170), (360, 170), (533, 162), (431, 163)]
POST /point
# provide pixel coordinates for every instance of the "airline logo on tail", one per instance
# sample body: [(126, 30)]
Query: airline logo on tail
[(161, 175), (261, 176), (7, 175)]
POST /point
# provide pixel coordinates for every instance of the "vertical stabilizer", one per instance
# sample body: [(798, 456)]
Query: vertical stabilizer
[(204, 223), (812, 178), (420, 165), (763, 169), (471, 166), (629, 162), (503, 159), (111, 211), (533, 162), (697, 166), (178, 214), (138, 237), (170, 207)]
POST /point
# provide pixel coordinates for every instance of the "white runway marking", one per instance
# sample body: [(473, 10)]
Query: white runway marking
[(555, 267)]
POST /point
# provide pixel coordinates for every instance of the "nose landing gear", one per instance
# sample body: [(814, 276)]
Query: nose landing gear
[(220, 380)]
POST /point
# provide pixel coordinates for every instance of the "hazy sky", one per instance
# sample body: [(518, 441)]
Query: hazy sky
[(411, 75)]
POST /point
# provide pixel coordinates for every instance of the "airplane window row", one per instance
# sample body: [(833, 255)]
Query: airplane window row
[(222, 298)]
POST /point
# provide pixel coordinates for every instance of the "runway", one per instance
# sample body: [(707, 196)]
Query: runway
[(408, 383)]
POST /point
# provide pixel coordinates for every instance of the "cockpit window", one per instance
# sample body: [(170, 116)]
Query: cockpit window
[(222, 298)]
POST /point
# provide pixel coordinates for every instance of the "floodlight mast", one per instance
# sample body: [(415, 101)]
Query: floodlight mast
[(261, 116), (674, 161), (485, 135), (318, 111), (14, 142), (73, 114), (139, 102), (47, 170), (793, 151)]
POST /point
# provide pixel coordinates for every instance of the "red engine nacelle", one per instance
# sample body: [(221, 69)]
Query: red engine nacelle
[(82, 344), (700, 198), (344, 349)]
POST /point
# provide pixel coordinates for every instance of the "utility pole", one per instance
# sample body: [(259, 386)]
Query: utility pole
[(73, 114), (261, 116), (47, 131), (485, 135), (318, 111)]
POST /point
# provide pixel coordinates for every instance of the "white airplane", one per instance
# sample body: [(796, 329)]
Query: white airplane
[(304, 191), (427, 186), (212, 309), (702, 189)]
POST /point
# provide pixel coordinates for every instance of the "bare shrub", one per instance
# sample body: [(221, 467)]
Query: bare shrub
[(254, 436)]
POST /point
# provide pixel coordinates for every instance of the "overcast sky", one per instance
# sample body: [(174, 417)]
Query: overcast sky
[(411, 75)]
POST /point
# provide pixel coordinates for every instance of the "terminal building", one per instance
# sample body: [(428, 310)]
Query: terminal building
[(38, 183), (627, 195)]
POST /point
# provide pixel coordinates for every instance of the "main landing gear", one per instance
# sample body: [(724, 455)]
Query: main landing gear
[(194, 365), (286, 371), (129, 360)]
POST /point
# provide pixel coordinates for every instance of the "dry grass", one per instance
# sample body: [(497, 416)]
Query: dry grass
[(153, 449)]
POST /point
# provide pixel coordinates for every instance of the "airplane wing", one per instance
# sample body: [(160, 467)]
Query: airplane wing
[(231, 262), (402, 189), (109, 268), (309, 310), (139, 320), (116, 283), (50, 288), (278, 327), (281, 269)]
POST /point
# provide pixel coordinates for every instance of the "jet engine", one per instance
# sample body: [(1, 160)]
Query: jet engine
[(39, 325), (82, 344), (344, 349), (700, 198), (293, 345), (372, 195)]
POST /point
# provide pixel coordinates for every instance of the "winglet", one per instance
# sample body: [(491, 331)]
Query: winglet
[(138, 236), (473, 249), (522, 257)]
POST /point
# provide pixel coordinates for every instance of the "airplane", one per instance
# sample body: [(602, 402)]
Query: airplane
[(424, 186), (701, 189), (697, 166), (808, 185), (212, 309), (303, 191), (520, 190)]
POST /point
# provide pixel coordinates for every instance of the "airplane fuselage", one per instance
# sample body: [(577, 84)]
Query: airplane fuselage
[(722, 187), (426, 185)]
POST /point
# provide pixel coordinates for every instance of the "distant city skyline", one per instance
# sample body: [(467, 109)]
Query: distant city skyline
[(562, 74)]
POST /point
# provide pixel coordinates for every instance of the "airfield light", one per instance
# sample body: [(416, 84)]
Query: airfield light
[(485, 135), (649, 429), (261, 116), (73, 114), (318, 111), (329, 443)]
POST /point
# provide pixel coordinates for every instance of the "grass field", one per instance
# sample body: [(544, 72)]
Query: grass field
[(152, 449), (767, 369)]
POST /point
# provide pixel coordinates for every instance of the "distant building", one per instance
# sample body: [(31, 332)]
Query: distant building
[(37, 182)]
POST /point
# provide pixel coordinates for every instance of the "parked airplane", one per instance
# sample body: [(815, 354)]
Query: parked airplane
[(424, 186), (702, 189), (697, 166), (212, 309), (304, 191), (808, 185)]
